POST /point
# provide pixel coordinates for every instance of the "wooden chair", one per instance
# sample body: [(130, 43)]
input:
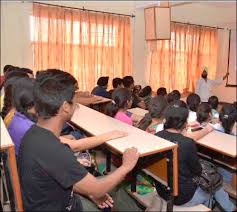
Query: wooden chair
[(8, 146)]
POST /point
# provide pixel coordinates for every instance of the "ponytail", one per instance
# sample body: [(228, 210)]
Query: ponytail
[(111, 109), (121, 97), (228, 117), (145, 122)]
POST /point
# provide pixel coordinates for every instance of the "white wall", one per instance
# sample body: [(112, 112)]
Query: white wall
[(15, 35), (225, 94)]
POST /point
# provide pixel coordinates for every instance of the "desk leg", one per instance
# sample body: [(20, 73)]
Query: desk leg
[(134, 179), (15, 178), (7, 187), (170, 181), (108, 161)]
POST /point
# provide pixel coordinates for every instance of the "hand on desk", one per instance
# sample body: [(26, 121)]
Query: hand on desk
[(113, 135), (130, 158), (209, 128), (103, 202)]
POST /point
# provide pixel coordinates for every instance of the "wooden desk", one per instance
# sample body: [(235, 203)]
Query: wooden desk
[(96, 102), (148, 145), (220, 142), (101, 100), (138, 111), (8, 146), (220, 149), (92, 100)]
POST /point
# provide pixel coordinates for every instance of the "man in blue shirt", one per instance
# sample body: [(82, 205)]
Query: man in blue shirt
[(101, 88)]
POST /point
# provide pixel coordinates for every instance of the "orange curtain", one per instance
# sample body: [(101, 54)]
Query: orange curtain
[(86, 44), (177, 63)]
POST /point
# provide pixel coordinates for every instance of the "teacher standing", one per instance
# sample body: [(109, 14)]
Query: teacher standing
[(204, 85)]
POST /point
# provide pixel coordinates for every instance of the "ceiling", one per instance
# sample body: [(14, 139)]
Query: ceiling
[(226, 4)]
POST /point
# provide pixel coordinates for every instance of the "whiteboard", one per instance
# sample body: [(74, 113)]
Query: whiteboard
[(232, 69)]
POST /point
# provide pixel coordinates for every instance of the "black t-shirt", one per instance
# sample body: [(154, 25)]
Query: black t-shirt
[(188, 165), (47, 169)]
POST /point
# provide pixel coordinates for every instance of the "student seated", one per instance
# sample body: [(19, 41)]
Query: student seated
[(24, 116), (28, 71), (193, 100), (136, 91), (101, 88), (8, 110), (227, 116), (161, 91), (117, 83), (153, 121), (173, 96), (6, 69), (189, 130), (146, 95), (50, 175), (188, 162), (176, 94), (122, 101), (214, 102), (128, 82), (204, 114)]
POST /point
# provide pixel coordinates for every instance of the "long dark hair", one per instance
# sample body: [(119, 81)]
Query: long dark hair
[(156, 110), (23, 97), (213, 101), (203, 112), (228, 116), (121, 97), (146, 91), (9, 81), (193, 100)]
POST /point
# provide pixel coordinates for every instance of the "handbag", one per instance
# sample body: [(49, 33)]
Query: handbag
[(210, 180)]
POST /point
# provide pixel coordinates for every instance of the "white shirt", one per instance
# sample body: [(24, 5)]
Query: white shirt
[(192, 116), (204, 88), (219, 127)]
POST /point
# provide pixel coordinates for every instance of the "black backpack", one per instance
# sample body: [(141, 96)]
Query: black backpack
[(210, 180)]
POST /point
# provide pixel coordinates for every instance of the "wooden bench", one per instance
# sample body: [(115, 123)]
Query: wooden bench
[(147, 200)]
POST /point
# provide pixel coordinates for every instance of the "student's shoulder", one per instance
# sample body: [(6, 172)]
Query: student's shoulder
[(186, 141), (40, 136)]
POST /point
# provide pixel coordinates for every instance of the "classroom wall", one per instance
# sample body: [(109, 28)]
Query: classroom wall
[(225, 94), (15, 33)]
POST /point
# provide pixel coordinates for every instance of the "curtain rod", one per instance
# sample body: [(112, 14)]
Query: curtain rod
[(197, 25), (76, 8)]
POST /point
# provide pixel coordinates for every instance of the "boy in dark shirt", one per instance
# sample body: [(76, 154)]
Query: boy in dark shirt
[(128, 82), (117, 83), (101, 88), (49, 172), (188, 162)]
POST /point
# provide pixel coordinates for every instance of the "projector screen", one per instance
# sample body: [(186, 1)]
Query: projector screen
[(232, 69)]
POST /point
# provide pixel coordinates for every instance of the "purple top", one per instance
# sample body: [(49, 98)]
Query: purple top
[(18, 127)]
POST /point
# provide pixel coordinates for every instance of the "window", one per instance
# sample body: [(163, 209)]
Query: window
[(100, 35), (177, 63), (87, 45)]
